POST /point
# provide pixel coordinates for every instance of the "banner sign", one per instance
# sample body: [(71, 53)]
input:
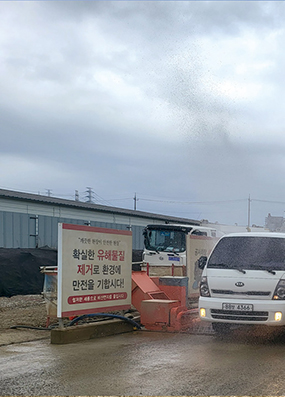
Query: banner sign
[(197, 246), (94, 270)]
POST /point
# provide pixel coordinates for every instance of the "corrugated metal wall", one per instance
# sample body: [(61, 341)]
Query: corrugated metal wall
[(18, 230)]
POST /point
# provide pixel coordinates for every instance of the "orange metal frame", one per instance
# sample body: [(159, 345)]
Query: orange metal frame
[(162, 302)]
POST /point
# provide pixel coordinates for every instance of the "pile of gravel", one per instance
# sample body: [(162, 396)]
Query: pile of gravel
[(27, 310)]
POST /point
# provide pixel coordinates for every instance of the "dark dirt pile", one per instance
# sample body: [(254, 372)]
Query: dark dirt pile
[(20, 270)]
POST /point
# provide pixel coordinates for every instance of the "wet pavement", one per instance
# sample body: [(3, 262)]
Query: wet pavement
[(11, 336), (146, 363)]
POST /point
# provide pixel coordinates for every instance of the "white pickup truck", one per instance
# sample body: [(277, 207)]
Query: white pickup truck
[(243, 281)]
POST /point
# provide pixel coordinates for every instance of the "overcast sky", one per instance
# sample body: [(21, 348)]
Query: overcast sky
[(181, 103)]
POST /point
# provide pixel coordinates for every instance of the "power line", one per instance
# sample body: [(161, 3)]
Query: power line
[(268, 201), (101, 199), (121, 199), (194, 202)]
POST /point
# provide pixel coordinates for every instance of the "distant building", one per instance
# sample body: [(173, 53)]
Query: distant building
[(275, 223), (226, 229)]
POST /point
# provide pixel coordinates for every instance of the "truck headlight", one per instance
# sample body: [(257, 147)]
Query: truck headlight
[(277, 316), (204, 288), (202, 312), (279, 292)]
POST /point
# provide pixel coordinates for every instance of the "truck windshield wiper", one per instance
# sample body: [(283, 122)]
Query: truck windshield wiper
[(259, 267), (153, 252), (225, 266), (221, 265), (239, 269)]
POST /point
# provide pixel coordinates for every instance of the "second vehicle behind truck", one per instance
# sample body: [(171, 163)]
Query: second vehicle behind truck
[(175, 250)]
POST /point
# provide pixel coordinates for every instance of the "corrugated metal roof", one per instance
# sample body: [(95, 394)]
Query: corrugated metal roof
[(37, 198)]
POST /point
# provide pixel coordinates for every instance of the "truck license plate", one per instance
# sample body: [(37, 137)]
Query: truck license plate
[(237, 306)]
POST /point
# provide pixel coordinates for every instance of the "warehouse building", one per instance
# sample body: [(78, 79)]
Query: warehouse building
[(31, 220)]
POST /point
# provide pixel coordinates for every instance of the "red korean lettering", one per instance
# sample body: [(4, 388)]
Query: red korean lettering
[(108, 255), (81, 269), (114, 255), (89, 269), (100, 255)]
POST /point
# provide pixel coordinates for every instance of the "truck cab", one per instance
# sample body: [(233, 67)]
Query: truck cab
[(174, 250)]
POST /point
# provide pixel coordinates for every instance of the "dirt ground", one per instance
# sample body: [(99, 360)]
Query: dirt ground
[(23, 318), (22, 310)]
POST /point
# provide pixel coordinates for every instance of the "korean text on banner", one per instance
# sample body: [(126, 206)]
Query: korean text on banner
[(94, 270)]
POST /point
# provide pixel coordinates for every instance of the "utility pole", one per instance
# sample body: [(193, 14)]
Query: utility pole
[(135, 202), (76, 195), (248, 214)]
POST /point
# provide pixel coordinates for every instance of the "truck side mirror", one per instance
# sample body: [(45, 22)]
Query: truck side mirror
[(202, 262)]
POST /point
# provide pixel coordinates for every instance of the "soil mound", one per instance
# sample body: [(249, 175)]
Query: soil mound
[(20, 270)]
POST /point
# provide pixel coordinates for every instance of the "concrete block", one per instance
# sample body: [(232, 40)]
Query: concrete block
[(78, 333)]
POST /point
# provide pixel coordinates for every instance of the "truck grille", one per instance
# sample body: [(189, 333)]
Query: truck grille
[(239, 315), (248, 293)]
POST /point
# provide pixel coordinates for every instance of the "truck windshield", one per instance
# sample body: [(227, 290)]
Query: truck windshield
[(250, 253), (165, 240)]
